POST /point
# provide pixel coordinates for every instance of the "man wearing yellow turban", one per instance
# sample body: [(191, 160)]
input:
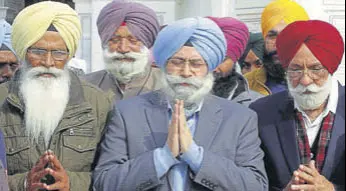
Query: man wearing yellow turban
[(276, 16), (51, 120)]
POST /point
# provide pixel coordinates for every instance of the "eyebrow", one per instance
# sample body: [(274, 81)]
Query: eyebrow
[(273, 33)]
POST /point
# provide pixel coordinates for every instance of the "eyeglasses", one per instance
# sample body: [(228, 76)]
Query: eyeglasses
[(130, 39), (312, 73), (57, 55), (194, 64)]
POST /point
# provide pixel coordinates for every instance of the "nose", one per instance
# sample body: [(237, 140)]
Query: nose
[(186, 72), (306, 80), (124, 46), (48, 61), (6, 71)]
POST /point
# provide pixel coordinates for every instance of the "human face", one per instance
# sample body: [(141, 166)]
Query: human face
[(187, 63), (123, 42), (251, 62), (49, 51), (8, 65), (270, 41), (305, 69), (225, 68)]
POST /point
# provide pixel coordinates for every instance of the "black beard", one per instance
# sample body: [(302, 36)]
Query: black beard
[(223, 86), (274, 71)]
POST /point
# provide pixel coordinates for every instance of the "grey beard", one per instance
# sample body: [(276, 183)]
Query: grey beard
[(192, 95)]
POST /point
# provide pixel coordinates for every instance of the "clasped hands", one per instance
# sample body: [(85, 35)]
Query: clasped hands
[(307, 178), (40, 170), (179, 135)]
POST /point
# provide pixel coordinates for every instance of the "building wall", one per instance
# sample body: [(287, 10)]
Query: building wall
[(10, 8)]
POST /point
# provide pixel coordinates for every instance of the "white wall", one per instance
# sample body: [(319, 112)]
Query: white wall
[(249, 11)]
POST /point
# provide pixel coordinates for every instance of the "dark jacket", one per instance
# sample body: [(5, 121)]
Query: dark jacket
[(277, 129), (235, 87), (74, 140)]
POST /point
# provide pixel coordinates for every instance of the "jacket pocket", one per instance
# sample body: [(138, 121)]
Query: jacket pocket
[(17, 151), (79, 146)]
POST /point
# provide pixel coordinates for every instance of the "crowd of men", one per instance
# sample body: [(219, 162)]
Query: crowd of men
[(198, 104)]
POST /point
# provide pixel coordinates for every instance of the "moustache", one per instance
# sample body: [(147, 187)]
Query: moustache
[(40, 71), (178, 81)]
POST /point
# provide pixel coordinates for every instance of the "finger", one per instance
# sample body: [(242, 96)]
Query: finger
[(307, 170), (55, 163), (58, 175), (175, 119), (305, 187), (37, 186), (36, 177), (41, 163), (304, 176), (55, 186)]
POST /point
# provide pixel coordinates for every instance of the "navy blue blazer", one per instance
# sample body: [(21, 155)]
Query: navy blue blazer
[(276, 121)]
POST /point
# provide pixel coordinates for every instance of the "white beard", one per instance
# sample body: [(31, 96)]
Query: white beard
[(314, 100), (126, 71), (45, 100), (191, 95)]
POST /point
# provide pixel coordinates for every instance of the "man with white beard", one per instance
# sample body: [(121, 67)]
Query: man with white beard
[(127, 31), (52, 121), (303, 129), (181, 137)]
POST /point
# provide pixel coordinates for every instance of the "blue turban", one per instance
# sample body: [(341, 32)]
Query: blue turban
[(202, 33), (5, 34)]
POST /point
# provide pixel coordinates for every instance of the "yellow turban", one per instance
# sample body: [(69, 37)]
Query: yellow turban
[(282, 10), (32, 22)]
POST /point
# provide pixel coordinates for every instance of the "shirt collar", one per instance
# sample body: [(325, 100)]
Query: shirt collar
[(332, 100)]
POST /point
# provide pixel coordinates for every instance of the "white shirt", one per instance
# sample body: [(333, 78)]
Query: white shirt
[(313, 128)]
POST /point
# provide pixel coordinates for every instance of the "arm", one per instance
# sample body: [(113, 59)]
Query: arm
[(115, 170), (17, 182), (245, 173)]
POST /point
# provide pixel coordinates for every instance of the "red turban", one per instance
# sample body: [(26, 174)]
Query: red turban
[(236, 33), (322, 38)]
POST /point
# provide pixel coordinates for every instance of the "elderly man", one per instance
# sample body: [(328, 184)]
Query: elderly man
[(229, 84), (181, 138), (51, 120), (8, 60), (253, 56), (270, 79), (127, 30), (303, 130)]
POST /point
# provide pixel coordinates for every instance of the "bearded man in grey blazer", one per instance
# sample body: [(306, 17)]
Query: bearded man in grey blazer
[(181, 137)]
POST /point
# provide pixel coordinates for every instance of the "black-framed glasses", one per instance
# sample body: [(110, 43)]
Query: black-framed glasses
[(57, 55), (314, 74)]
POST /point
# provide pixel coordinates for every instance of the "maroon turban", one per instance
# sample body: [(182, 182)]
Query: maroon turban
[(237, 36), (141, 21), (322, 38)]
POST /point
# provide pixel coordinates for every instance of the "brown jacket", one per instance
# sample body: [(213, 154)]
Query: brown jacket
[(107, 82), (74, 140)]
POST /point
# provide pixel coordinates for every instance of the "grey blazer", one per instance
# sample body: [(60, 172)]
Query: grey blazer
[(227, 131)]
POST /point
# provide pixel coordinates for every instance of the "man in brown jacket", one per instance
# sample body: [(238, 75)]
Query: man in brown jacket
[(51, 120), (127, 31)]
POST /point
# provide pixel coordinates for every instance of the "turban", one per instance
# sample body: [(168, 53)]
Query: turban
[(5, 34), (256, 44), (140, 20), (32, 22), (202, 33), (323, 40), (236, 33), (281, 10)]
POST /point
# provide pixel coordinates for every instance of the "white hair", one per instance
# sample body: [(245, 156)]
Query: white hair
[(126, 71), (315, 98), (45, 99)]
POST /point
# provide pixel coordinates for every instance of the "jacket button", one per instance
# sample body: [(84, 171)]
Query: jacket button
[(11, 150)]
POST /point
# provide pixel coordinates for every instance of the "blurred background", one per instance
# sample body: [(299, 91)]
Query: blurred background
[(249, 11)]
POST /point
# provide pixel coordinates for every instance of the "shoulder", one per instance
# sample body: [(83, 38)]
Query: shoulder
[(231, 108), (95, 77), (270, 103), (95, 95), (138, 103)]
